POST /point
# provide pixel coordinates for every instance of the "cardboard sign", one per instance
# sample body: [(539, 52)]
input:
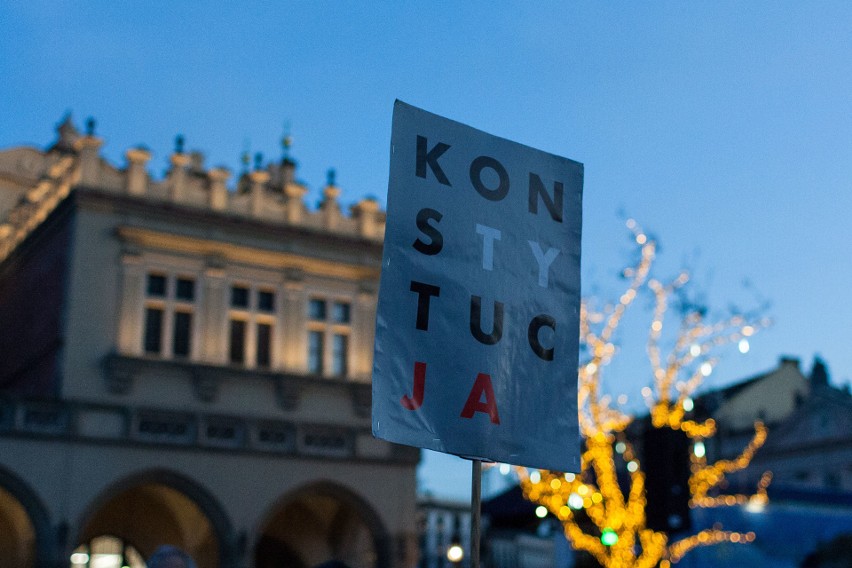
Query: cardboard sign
[(477, 329)]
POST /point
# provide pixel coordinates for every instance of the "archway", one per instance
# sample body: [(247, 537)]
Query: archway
[(319, 523), (26, 536), (157, 508), (17, 534)]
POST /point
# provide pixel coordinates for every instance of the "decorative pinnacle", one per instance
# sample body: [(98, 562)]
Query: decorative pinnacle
[(90, 126), (179, 142), (331, 174)]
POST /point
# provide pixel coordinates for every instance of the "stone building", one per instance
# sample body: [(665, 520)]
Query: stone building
[(186, 364)]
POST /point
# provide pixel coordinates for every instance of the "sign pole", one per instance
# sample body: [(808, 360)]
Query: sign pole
[(475, 511)]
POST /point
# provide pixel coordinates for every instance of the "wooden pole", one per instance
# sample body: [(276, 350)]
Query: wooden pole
[(475, 511)]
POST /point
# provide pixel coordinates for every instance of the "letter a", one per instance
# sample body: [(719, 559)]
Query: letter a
[(415, 402), (474, 404)]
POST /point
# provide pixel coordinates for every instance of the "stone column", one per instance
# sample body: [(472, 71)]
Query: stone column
[(136, 180), (295, 206), (330, 208), (258, 178), (214, 313), (293, 333), (365, 212), (363, 332), (130, 326), (177, 176), (218, 188), (88, 147)]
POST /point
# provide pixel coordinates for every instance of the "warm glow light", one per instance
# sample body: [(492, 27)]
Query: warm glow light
[(541, 512), (602, 511), (505, 469), (455, 553), (744, 346), (575, 501), (79, 558)]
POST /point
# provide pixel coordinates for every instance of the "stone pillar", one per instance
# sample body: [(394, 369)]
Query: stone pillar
[(218, 188), (136, 180), (330, 208), (131, 321), (295, 206), (365, 212), (214, 313), (177, 176), (259, 179), (88, 147), (363, 332), (293, 335)]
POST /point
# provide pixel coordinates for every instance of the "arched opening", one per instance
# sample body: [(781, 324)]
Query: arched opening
[(148, 511), (27, 538), (318, 524), (17, 533)]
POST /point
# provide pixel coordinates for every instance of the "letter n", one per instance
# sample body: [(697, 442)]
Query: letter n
[(474, 402)]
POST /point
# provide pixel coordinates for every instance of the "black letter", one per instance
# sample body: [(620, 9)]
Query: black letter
[(424, 293), (476, 322), (554, 206), (476, 168), (423, 217), (430, 157), (532, 335)]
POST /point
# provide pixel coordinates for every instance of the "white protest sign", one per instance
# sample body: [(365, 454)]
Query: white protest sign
[(477, 330)]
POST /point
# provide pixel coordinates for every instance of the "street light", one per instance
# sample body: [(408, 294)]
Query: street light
[(455, 553)]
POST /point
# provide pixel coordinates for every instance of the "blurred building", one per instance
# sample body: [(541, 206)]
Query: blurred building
[(185, 364), (444, 527), (809, 446)]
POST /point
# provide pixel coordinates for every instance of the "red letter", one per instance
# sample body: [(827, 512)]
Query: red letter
[(473, 404), (419, 386)]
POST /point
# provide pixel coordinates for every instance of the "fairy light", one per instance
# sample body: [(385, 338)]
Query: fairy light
[(597, 514)]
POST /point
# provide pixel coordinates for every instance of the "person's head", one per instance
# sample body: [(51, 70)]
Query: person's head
[(168, 556)]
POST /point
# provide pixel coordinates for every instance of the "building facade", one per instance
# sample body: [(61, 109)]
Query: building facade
[(183, 363)]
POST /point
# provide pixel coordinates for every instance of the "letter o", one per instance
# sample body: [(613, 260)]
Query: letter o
[(476, 168)]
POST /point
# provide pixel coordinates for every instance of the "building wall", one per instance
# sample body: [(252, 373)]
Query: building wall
[(242, 463)]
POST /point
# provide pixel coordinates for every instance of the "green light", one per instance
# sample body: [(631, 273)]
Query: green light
[(608, 537)]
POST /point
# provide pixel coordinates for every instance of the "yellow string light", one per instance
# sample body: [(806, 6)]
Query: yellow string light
[(594, 499)]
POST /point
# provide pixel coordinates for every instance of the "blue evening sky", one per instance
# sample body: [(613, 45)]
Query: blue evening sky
[(724, 128)]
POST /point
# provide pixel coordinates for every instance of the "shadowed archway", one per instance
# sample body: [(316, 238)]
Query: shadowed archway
[(161, 507), (319, 523)]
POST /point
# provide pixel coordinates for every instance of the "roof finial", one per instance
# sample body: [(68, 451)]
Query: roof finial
[(90, 126), (331, 174), (258, 161), (286, 141), (179, 142)]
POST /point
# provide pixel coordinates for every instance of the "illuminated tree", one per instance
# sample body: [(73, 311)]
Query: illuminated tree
[(600, 514)]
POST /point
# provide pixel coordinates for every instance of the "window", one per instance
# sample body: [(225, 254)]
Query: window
[(237, 341), (169, 309), (264, 341), (153, 329), (252, 326), (339, 354), (315, 352), (182, 334), (328, 337), (316, 310), (341, 312)]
